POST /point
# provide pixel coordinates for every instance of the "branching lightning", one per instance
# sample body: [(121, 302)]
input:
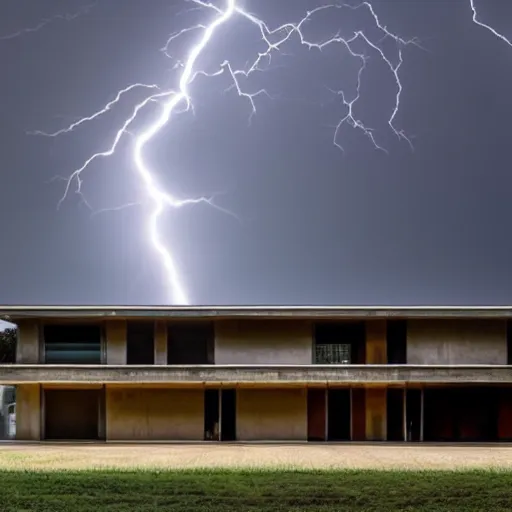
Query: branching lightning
[(172, 102), (46, 21)]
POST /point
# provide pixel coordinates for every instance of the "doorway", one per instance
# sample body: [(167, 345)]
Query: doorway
[(338, 414), (228, 415), (211, 415), (316, 414), (72, 414)]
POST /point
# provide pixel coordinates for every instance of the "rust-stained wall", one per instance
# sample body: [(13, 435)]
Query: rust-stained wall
[(263, 342), (28, 412), (376, 346), (154, 414), (116, 341), (456, 342), (271, 414), (376, 409), (27, 347)]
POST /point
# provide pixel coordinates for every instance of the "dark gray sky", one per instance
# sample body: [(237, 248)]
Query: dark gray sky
[(317, 226)]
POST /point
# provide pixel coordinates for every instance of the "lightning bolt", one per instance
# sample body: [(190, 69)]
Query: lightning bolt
[(487, 27), (172, 102)]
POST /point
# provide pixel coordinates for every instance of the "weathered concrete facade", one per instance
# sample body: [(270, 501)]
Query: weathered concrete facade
[(457, 342), (263, 342), (269, 364), (150, 414), (272, 414)]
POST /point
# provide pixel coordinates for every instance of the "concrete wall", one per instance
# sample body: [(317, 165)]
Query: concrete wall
[(28, 412), (376, 342), (376, 414), (263, 342), (27, 347), (271, 414), (456, 342), (116, 341), (154, 414), (160, 342)]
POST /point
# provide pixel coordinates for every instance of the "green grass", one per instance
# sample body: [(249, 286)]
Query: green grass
[(246, 490)]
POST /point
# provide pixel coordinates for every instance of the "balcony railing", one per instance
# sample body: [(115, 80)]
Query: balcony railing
[(332, 353)]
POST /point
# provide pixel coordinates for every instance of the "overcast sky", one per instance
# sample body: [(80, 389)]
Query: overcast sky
[(315, 225)]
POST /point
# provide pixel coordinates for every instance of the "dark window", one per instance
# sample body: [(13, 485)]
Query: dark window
[(397, 341), (190, 343), (339, 343), (72, 344), (140, 343)]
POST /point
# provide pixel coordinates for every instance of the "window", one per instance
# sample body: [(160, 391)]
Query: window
[(190, 343), (72, 344), (339, 343), (140, 343)]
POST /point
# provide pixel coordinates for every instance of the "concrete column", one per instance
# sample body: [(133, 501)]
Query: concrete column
[(27, 347), (376, 414), (28, 412), (376, 342), (116, 342), (160, 343)]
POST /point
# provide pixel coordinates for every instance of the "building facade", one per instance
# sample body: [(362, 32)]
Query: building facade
[(262, 374)]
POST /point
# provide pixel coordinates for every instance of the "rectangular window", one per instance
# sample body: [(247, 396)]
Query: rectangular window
[(140, 343), (397, 341), (190, 343), (339, 343), (72, 344)]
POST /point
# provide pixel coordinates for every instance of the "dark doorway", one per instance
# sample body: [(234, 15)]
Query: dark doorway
[(316, 414), (228, 415), (72, 413), (397, 341), (338, 406), (190, 343), (140, 343), (395, 414), (211, 415), (358, 414), (413, 399), (462, 414)]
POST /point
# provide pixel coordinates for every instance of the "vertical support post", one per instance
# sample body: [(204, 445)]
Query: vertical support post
[(422, 413), (326, 414), (220, 413), (351, 417), (405, 415)]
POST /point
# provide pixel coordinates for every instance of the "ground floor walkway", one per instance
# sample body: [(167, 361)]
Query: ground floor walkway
[(53, 456)]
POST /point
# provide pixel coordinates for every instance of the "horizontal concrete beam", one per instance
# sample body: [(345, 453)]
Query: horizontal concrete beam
[(15, 313), (284, 374)]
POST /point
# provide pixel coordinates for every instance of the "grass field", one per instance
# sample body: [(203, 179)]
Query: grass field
[(255, 490)]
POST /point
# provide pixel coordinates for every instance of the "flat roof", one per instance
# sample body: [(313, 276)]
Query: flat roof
[(14, 313)]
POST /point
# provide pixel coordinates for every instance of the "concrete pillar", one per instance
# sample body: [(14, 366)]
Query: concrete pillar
[(28, 412), (160, 343), (27, 347), (376, 414), (116, 342), (376, 342)]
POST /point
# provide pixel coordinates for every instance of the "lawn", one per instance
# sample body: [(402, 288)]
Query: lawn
[(254, 490)]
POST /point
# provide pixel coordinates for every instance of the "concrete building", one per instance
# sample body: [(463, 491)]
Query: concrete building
[(262, 373)]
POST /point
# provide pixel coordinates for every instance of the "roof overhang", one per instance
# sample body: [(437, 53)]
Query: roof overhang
[(15, 313)]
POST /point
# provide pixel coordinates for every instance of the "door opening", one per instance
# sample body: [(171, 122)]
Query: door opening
[(395, 414), (338, 415), (211, 415), (228, 415), (316, 414)]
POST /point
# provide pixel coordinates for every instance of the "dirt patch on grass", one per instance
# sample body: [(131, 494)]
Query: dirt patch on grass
[(303, 456)]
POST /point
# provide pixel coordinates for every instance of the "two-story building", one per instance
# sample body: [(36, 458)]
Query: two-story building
[(262, 373)]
